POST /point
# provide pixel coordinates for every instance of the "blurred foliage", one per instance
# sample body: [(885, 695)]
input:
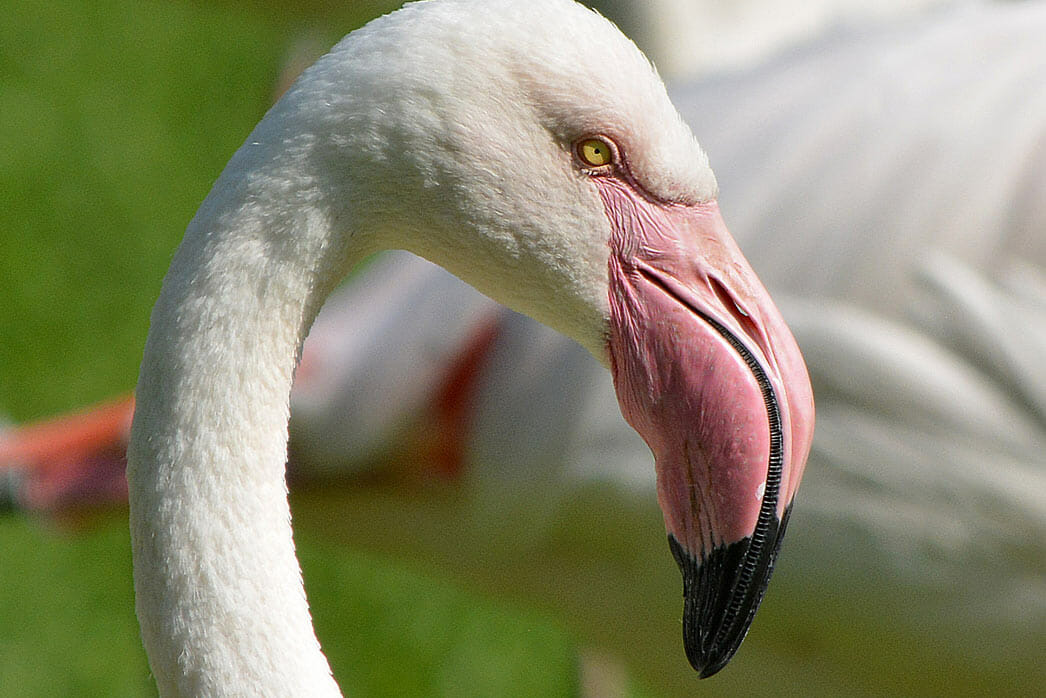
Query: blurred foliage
[(69, 630), (115, 118), (67, 614)]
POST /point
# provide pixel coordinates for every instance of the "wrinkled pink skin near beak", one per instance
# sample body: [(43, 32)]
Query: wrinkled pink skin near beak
[(710, 376)]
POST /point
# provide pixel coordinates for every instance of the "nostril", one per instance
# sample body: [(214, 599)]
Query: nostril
[(743, 317), (728, 301)]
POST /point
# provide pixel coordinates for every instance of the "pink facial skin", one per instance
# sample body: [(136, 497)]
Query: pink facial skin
[(708, 373)]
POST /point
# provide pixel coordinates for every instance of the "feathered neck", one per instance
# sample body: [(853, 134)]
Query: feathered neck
[(219, 591)]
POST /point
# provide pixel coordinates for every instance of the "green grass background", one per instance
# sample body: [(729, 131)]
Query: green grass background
[(115, 118)]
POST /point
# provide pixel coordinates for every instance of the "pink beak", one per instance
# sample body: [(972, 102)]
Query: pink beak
[(710, 376)]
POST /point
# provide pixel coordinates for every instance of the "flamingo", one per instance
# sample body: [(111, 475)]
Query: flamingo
[(929, 451), (955, 322), (534, 153)]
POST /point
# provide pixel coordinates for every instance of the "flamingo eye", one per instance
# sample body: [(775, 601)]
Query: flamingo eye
[(595, 152)]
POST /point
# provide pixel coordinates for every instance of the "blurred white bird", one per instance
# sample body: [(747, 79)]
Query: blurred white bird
[(690, 38)]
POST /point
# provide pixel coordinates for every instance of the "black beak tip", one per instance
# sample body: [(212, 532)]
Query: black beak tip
[(711, 663), (721, 592), (713, 667)]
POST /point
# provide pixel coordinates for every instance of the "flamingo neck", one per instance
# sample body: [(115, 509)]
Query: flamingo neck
[(219, 590)]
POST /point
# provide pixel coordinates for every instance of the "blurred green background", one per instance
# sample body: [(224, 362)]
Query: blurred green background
[(115, 118)]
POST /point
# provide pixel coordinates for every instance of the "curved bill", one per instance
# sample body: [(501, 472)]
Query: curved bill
[(709, 375)]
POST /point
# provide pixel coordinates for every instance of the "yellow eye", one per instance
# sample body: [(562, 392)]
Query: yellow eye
[(595, 152)]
